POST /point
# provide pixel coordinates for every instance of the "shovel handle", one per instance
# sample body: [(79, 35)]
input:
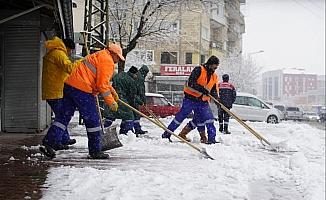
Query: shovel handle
[(161, 126), (252, 131), (153, 115)]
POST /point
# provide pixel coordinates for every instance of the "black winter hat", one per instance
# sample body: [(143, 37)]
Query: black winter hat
[(133, 70), (213, 60), (69, 43), (225, 77)]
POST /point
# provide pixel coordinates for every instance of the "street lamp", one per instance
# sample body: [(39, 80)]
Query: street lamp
[(256, 52)]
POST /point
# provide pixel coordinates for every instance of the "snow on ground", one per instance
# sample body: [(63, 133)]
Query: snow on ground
[(150, 168)]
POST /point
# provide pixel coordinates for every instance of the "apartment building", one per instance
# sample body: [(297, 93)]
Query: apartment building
[(294, 87), (204, 30)]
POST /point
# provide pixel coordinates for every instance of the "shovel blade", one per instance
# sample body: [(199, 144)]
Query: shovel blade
[(109, 139)]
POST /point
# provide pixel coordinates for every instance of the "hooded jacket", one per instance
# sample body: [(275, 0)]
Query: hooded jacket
[(56, 68), (140, 82), (125, 86)]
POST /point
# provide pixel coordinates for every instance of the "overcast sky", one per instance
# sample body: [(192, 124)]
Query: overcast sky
[(290, 32)]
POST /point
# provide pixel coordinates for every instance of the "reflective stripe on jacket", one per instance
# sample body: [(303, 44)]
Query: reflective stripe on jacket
[(56, 68), (93, 75), (202, 80)]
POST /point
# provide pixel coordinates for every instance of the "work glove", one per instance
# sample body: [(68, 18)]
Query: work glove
[(115, 96), (205, 92), (114, 107)]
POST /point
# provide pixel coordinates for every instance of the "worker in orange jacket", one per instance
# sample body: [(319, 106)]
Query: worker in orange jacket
[(90, 78), (201, 83)]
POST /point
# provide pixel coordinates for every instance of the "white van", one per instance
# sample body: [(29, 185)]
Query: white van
[(251, 108)]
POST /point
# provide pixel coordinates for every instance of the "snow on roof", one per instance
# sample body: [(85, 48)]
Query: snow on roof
[(294, 71)]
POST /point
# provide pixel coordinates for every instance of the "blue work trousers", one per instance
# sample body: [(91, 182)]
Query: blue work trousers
[(202, 116), (86, 105)]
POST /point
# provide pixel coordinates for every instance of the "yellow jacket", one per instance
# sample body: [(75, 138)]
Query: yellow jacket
[(56, 68)]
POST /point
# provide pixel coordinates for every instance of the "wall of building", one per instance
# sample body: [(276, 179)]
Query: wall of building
[(293, 88)]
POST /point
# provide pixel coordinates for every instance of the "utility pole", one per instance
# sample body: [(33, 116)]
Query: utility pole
[(96, 23)]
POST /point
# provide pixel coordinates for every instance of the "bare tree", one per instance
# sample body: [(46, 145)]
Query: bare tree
[(244, 72), (132, 20)]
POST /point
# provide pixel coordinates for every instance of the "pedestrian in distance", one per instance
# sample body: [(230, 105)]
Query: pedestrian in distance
[(126, 87), (202, 82), (227, 95), (56, 68), (90, 78)]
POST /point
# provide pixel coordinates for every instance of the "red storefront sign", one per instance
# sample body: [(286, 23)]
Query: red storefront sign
[(176, 70)]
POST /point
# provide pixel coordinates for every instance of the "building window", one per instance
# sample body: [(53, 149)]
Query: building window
[(188, 58), (177, 87), (163, 87), (202, 59), (150, 55), (205, 33), (270, 88), (169, 57), (144, 55), (276, 90)]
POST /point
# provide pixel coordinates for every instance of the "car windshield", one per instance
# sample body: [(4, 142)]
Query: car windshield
[(292, 109), (281, 108), (160, 101)]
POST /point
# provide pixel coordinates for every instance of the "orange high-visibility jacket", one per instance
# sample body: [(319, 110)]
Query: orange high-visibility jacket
[(93, 75), (202, 80)]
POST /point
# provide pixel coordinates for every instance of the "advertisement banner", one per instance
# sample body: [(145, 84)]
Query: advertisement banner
[(176, 70)]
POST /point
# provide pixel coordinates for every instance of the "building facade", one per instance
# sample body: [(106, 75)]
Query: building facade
[(202, 31), (291, 87)]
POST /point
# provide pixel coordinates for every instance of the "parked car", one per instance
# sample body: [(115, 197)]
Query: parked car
[(159, 105), (282, 109), (293, 113), (322, 114), (311, 116), (251, 108)]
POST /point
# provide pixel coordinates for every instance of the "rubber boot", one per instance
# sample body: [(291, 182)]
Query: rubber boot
[(184, 133), (226, 129), (221, 128), (203, 137)]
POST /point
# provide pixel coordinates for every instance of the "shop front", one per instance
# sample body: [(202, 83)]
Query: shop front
[(171, 81)]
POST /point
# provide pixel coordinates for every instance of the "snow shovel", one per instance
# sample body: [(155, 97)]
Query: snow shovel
[(109, 139), (258, 136), (161, 125)]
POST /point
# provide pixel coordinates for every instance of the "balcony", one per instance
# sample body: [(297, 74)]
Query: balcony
[(233, 12), (218, 14)]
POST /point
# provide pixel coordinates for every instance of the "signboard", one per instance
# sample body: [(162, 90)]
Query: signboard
[(176, 70)]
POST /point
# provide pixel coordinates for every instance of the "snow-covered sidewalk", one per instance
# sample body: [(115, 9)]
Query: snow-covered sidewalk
[(150, 168)]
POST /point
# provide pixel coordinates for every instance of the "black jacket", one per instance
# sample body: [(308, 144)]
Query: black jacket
[(227, 94)]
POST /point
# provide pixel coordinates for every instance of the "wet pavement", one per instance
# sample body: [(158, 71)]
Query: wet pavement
[(21, 175)]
